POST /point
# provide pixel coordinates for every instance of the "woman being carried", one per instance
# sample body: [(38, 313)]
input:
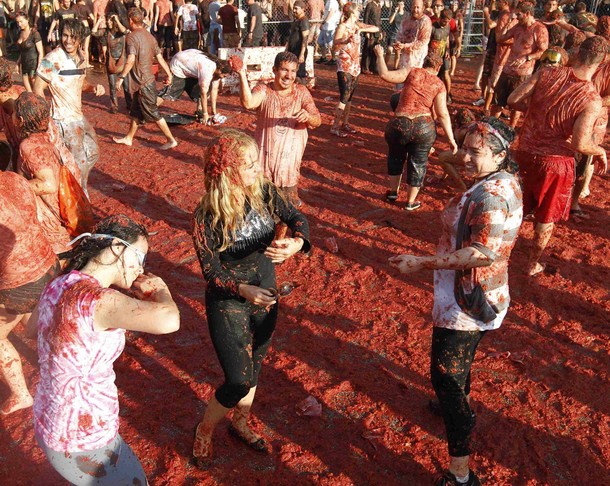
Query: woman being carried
[(233, 235)]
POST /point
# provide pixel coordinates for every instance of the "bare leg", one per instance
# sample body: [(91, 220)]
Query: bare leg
[(128, 139), (241, 414), (514, 118), (395, 182), (451, 171), (582, 184), (171, 141), (542, 235), (412, 194), (214, 413), (27, 84), (459, 465), (10, 366), (348, 107)]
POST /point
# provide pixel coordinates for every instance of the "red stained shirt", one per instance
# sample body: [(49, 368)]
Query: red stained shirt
[(418, 93), (25, 252), (559, 97)]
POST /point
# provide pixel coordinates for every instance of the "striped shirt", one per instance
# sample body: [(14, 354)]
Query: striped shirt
[(493, 219)]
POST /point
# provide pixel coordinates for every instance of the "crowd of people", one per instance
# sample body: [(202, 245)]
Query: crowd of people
[(549, 75)]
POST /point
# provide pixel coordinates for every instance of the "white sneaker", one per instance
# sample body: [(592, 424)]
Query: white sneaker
[(479, 102)]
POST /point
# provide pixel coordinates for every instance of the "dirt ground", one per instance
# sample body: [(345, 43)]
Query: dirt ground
[(355, 335)]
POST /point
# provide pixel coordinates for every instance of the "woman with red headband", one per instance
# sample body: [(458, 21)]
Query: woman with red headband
[(233, 235)]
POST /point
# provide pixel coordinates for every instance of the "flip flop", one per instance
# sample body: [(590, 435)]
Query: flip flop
[(259, 445)]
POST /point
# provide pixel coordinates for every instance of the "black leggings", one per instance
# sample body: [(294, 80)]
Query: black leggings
[(347, 86), (410, 140), (241, 333), (452, 356)]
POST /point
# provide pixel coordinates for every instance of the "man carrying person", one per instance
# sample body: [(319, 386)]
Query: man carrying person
[(563, 107), (530, 40), (142, 50), (63, 72), (298, 38)]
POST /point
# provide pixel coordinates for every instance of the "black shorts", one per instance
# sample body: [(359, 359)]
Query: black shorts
[(165, 36), (505, 86), (144, 105), (488, 63), (347, 86), (24, 298), (174, 91)]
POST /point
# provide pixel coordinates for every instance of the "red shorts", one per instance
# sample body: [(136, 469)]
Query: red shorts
[(547, 185)]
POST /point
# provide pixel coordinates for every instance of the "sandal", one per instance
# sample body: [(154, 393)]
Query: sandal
[(259, 445), (412, 206), (449, 479), (391, 196), (348, 129), (338, 133)]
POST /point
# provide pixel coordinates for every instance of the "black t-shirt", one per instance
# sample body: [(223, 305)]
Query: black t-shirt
[(254, 10), (63, 14), (295, 39)]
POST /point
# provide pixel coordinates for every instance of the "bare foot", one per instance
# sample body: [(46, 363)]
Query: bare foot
[(169, 145), (585, 193), (14, 403), (123, 141), (536, 269), (202, 447)]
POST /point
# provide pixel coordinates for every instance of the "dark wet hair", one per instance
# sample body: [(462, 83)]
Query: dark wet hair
[(580, 7), (74, 27), (119, 226), (592, 50), (136, 15), (21, 13), (221, 64), (526, 7), (574, 39), (6, 78), (447, 14), (496, 143), (433, 60), (283, 57), (463, 117), (34, 112)]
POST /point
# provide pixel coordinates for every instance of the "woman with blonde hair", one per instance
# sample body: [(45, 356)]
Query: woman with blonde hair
[(233, 235)]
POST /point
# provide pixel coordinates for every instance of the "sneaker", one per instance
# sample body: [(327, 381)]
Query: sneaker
[(479, 102), (338, 132), (449, 479), (391, 196), (412, 206)]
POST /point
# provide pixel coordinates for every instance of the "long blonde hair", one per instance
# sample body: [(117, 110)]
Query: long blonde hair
[(226, 195)]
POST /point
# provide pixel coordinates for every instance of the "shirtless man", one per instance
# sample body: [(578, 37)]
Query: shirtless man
[(563, 106), (531, 39)]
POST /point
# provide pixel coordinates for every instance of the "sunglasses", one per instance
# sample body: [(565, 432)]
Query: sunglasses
[(285, 289), (139, 253)]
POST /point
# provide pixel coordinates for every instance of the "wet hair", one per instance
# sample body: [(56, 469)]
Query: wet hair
[(119, 226), (433, 60), (136, 15), (447, 14), (6, 78), (348, 9), (498, 136), (592, 50), (580, 7), (574, 39), (21, 13), (74, 27), (526, 8), (33, 112), (603, 27), (283, 57), (463, 117), (226, 196)]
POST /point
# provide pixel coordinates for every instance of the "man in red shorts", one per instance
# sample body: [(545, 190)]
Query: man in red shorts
[(531, 39), (563, 108)]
